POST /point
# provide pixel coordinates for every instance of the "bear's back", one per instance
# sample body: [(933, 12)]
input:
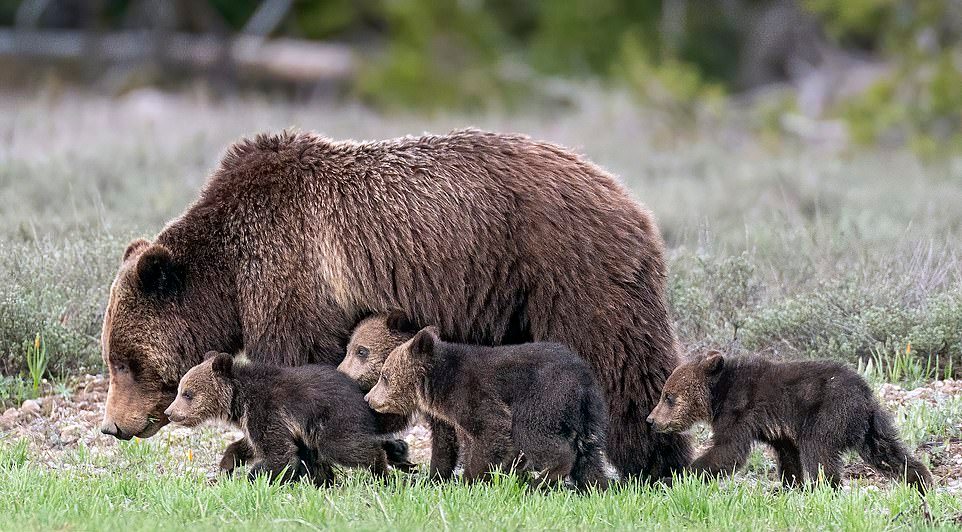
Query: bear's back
[(514, 371)]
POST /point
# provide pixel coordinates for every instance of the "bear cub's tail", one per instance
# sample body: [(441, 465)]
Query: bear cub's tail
[(884, 451)]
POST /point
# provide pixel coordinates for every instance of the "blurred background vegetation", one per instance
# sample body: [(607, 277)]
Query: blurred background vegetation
[(803, 158), (866, 71)]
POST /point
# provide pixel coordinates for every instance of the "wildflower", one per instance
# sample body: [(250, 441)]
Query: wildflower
[(190, 455), (36, 343), (908, 349)]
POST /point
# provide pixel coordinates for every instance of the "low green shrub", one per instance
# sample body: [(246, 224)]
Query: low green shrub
[(59, 289)]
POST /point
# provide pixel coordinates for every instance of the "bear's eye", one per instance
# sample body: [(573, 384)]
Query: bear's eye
[(120, 367), (384, 378), (363, 352), (670, 400), (188, 396)]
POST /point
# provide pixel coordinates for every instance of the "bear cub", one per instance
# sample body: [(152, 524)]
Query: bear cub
[(300, 422), (808, 411), (533, 406), (371, 342)]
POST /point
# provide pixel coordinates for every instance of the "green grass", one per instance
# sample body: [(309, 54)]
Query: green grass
[(163, 482), (157, 489)]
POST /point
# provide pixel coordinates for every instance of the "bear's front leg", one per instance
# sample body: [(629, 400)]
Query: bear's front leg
[(444, 449), (723, 458), (237, 454)]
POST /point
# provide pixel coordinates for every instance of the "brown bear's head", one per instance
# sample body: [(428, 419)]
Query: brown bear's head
[(148, 341), (396, 391), (371, 342), (204, 393), (686, 396)]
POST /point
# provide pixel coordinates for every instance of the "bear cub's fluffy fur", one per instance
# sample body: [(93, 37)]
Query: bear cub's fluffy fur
[(534, 406), (809, 412), (299, 421)]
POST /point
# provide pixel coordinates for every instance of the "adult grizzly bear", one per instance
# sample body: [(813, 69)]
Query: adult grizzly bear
[(496, 239)]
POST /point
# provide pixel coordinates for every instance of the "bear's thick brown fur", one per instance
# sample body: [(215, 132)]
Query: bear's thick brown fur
[(538, 399), (497, 239), (808, 411)]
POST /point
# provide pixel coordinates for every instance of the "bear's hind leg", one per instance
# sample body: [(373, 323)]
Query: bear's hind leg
[(284, 468), (822, 455), (489, 448), (280, 456), (789, 463), (883, 449), (555, 469), (550, 456)]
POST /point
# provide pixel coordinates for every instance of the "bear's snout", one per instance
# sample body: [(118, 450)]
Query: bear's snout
[(658, 425), (173, 416), (110, 428)]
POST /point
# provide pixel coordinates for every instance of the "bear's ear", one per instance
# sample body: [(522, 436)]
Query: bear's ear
[(223, 364), (134, 246), (424, 341), (157, 271), (714, 362), (398, 321), (211, 354)]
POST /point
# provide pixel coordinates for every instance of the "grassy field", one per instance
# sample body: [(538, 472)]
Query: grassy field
[(147, 485), (775, 246)]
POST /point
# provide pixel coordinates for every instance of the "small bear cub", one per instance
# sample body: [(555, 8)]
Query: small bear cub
[(809, 412), (371, 342), (299, 421), (538, 401)]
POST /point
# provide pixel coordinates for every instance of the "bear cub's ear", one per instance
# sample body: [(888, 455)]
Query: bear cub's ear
[(398, 321), (714, 362), (424, 341), (157, 271), (223, 364)]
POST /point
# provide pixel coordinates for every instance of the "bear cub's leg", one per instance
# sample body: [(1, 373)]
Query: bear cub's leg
[(724, 457), (237, 454), (822, 459), (277, 454), (488, 446), (444, 449), (789, 463)]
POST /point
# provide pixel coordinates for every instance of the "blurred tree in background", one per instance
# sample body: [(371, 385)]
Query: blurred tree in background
[(891, 69)]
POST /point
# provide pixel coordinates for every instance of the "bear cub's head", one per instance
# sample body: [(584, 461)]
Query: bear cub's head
[(205, 392), (686, 396), (396, 390), (371, 342)]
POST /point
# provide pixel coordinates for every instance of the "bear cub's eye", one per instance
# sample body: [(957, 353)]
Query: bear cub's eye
[(363, 352), (188, 396), (670, 400), (384, 378)]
